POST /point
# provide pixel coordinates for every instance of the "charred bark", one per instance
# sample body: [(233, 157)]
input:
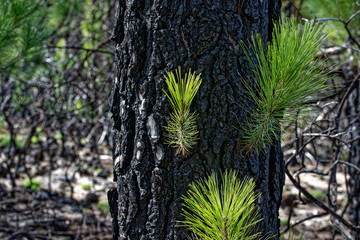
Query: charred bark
[(155, 36), (352, 110)]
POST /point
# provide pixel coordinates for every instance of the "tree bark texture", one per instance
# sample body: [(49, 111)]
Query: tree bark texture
[(352, 112), (155, 36)]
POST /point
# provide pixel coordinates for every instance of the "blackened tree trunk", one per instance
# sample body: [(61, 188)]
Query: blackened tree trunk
[(155, 36), (352, 112)]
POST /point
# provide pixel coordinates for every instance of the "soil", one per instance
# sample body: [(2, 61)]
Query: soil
[(57, 214), (301, 207)]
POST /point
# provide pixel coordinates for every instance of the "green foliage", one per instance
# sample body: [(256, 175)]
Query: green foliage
[(99, 171), (40, 45), (58, 136), (103, 207), (318, 194), (35, 139), (83, 141), (38, 130), (85, 186), (32, 183), (292, 235), (21, 30), (78, 104), (5, 140), (181, 130), (62, 9), (228, 212), (283, 222), (87, 30), (329, 9), (288, 76), (2, 125)]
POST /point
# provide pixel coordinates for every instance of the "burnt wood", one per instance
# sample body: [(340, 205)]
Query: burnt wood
[(152, 37)]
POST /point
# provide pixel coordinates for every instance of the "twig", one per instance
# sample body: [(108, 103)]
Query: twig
[(320, 204), (80, 48), (303, 220)]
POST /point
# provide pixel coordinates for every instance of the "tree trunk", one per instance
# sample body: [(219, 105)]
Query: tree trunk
[(352, 111), (152, 37)]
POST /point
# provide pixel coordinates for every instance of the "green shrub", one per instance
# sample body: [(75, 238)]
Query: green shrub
[(5, 140), (58, 136), (32, 183), (86, 186), (103, 207), (35, 139)]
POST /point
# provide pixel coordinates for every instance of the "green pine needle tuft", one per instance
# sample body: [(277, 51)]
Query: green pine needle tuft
[(225, 212), (288, 76), (181, 130)]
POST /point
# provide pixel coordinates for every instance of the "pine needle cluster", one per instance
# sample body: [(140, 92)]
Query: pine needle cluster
[(22, 29), (222, 213), (181, 130), (288, 76)]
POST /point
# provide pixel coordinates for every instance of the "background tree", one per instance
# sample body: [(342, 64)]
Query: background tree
[(152, 37)]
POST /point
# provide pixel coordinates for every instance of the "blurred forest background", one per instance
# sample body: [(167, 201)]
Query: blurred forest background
[(56, 74), (56, 67)]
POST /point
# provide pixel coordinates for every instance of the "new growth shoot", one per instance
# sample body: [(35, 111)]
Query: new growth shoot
[(222, 212), (181, 130), (287, 77)]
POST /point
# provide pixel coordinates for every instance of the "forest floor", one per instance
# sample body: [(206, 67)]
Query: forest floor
[(299, 207), (75, 206), (56, 214)]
